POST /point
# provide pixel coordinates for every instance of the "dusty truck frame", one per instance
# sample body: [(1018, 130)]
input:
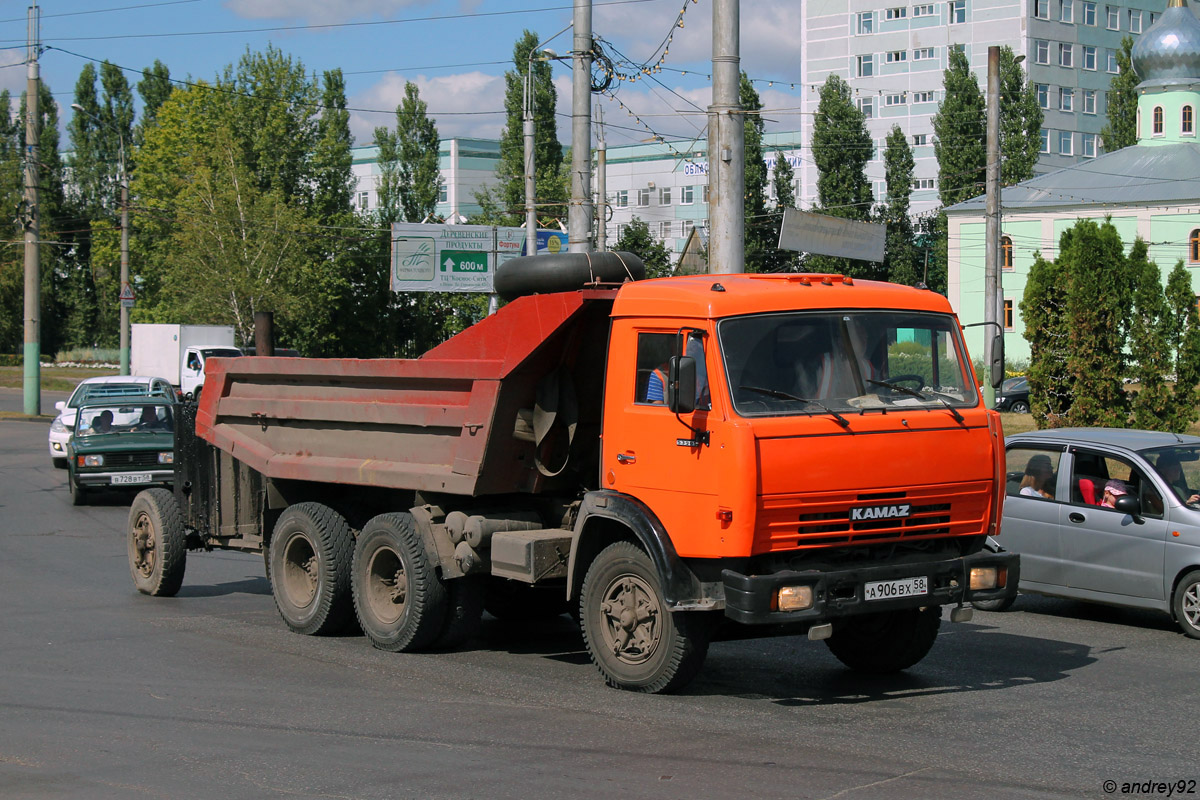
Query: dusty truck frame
[(543, 460)]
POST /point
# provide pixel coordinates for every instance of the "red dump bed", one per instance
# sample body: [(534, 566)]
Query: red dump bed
[(440, 423)]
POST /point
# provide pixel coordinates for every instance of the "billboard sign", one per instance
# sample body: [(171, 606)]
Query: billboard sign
[(806, 232), (443, 258)]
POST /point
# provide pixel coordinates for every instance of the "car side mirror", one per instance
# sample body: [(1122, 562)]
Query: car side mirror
[(1127, 504), (60, 405), (681, 384)]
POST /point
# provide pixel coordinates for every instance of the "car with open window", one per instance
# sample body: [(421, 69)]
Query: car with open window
[(121, 443), (101, 387), (1108, 516)]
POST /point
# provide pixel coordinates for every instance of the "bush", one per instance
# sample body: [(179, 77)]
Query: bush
[(11, 360), (88, 355)]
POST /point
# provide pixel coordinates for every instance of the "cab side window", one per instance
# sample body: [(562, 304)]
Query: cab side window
[(654, 351), (1098, 478), (1032, 472)]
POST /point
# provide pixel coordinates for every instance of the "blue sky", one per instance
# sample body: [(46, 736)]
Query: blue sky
[(456, 51)]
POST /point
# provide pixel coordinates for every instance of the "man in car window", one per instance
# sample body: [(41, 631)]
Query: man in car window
[(1169, 468)]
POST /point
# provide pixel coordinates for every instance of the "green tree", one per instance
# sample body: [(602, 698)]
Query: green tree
[(154, 87), (635, 238), (1042, 309), (1149, 345), (417, 164), (1183, 335), (1121, 99), (387, 185), (547, 151), (1098, 301), (841, 148), (332, 158), (759, 244), (900, 257), (960, 130), (783, 182), (1020, 122)]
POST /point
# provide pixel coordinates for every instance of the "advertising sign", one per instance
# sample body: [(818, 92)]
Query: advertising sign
[(831, 236), (443, 258)]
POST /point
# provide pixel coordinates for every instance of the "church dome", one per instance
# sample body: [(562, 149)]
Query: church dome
[(1168, 53)]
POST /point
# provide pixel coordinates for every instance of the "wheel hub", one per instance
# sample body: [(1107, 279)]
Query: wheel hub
[(1191, 605), (144, 545), (631, 618), (387, 586)]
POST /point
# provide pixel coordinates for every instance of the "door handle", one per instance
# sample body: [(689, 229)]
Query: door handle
[(1075, 516), (624, 458)]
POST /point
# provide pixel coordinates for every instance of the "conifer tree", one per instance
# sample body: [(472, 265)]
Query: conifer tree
[(1121, 102), (547, 151), (758, 240), (1184, 337), (900, 253), (1149, 346), (1020, 122), (1042, 309), (417, 165), (841, 148), (960, 129)]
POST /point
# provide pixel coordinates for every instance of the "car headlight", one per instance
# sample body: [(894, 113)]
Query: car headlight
[(57, 426), (167, 457), (794, 598), (983, 578), (90, 461)]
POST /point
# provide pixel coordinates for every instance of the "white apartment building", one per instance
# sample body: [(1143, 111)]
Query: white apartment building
[(893, 54)]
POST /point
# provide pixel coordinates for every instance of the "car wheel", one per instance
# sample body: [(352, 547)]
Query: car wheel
[(59, 463), (1020, 407), (1186, 603), (1003, 604), (885, 642), (79, 495)]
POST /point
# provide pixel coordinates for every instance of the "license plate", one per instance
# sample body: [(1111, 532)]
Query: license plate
[(891, 590), (137, 477)]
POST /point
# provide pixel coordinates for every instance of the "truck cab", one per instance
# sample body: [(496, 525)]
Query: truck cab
[(191, 370)]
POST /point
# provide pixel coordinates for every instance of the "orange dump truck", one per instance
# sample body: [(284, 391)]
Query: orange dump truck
[(672, 460)]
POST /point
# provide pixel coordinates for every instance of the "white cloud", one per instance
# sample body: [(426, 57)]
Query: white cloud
[(13, 74), (468, 104), (320, 11)]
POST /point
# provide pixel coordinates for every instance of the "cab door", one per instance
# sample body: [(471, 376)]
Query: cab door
[(659, 457)]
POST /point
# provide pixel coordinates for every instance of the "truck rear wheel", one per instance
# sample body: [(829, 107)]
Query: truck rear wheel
[(310, 554), (885, 642), (157, 551), (399, 598), (633, 638)]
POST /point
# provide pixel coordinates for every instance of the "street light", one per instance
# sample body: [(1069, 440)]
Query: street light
[(530, 215), (124, 234)]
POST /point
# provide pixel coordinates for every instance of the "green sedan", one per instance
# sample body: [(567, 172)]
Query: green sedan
[(121, 443)]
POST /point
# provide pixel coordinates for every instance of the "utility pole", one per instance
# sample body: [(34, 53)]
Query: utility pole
[(726, 145), (579, 213), (530, 104), (33, 278), (601, 183), (993, 348)]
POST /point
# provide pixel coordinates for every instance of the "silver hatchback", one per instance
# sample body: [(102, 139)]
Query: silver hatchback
[(1107, 515)]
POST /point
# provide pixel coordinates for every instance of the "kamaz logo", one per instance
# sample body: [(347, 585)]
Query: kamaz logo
[(879, 512)]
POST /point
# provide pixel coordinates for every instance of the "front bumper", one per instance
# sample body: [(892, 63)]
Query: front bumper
[(94, 480), (839, 593)]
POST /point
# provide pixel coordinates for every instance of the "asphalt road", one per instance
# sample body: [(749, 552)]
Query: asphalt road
[(109, 694)]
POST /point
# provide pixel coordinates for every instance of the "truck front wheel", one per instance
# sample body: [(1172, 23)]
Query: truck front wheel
[(399, 598), (157, 551), (885, 642), (310, 555), (633, 638)]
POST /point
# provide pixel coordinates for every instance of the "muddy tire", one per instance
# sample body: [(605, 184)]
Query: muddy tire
[(885, 642), (157, 548), (464, 612), (310, 554), (398, 597), (79, 495), (635, 641)]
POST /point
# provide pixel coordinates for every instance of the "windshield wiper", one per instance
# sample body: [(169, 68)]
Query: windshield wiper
[(845, 423), (895, 387)]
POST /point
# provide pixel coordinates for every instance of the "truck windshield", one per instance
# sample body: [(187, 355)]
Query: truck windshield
[(844, 361)]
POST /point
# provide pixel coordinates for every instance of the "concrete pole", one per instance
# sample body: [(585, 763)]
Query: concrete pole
[(33, 276), (579, 213), (991, 266), (601, 183), (530, 214), (124, 256), (726, 145)]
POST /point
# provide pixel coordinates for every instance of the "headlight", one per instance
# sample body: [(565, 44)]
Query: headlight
[(90, 461), (167, 457), (987, 578), (57, 426), (794, 598)]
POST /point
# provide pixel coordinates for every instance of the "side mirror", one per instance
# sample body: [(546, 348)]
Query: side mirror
[(1128, 504), (997, 365), (60, 405), (681, 384)]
